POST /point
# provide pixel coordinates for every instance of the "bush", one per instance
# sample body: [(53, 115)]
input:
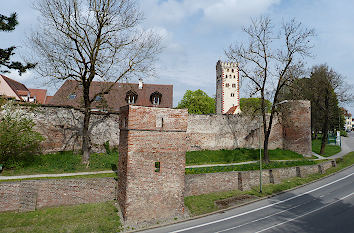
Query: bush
[(18, 141), (343, 133)]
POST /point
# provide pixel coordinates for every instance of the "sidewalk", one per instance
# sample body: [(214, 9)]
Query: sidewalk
[(347, 146), (53, 175)]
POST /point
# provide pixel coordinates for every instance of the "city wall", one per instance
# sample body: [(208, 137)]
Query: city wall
[(29, 195), (62, 127)]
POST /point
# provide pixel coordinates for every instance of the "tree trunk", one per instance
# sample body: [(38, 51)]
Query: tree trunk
[(86, 142), (325, 124), (265, 147), (86, 147)]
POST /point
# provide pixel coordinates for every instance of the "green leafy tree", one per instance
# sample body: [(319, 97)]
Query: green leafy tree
[(197, 102), (252, 106), (8, 24), (18, 140)]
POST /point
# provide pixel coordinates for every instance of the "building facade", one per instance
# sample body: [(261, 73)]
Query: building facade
[(227, 88)]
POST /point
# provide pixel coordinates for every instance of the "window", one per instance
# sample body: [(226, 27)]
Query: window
[(155, 98), (98, 98), (72, 96), (131, 97), (228, 70), (232, 94), (234, 85), (225, 76), (234, 76), (232, 70), (157, 166), (227, 85)]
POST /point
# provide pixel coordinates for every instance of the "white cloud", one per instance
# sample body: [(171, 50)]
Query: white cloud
[(224, 12)]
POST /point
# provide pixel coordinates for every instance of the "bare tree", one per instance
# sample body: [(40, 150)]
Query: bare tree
[(87, 40), (271, 59)]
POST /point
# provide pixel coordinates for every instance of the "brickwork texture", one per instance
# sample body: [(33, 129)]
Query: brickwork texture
[(29, 195), (291, 130), (151, 166)]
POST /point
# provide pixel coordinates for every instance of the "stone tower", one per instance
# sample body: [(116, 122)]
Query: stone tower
[(151, 167), (227, 88)]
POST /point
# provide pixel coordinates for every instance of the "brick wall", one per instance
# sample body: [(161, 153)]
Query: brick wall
[(215, 132), (296, 121), (197, 184), (30, 195), (150, 135), (62, 128)]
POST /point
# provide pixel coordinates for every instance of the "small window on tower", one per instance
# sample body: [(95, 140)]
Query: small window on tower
[(234, 76), (225, 76), (232, 70), (228, 70), (234, 85), (232, 94), (227, 85)]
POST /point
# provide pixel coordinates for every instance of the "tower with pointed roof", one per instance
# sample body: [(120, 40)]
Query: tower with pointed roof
[(227, 88)]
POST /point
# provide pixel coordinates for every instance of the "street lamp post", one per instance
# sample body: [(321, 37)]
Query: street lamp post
[(260, 150)]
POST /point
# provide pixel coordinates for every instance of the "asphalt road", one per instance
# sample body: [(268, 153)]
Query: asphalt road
[(324, 206)]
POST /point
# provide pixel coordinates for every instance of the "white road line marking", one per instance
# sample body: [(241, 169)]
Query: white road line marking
[(307, 213), (256, 220), (261, 208)]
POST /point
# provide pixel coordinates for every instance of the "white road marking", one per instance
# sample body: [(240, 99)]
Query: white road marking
[(307, 213), (256, 220), (261, 208)]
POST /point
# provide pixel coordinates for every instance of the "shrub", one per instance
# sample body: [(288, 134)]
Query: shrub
[(18, 141)]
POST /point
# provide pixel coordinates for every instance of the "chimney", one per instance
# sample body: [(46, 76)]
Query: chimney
[(140, 83)]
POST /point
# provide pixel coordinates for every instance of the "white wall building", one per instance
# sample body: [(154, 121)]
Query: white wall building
[(348, 126), (227, 88)]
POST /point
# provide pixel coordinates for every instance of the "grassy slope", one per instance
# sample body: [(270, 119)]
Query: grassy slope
[(100, 217), (64, 162), (205, 203), (329, 150), (235, 156)]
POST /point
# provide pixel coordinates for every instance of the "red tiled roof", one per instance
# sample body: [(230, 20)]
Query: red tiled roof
[(17, 87), (232, 110), (115, 98), (48, 99), (40, 95)]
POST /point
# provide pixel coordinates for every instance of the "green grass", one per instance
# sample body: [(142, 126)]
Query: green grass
[(203, 204), (63, 162), (250, 166), (236, 155), (329, 150), (99, 217)]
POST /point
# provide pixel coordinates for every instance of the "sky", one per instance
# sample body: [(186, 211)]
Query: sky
[(197, 32)]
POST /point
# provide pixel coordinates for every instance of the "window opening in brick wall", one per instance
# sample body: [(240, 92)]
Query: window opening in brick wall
[(157, 166)]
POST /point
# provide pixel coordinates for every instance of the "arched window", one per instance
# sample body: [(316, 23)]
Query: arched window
[(131, 97), (155, 98), (225, 76), (232, 70)]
